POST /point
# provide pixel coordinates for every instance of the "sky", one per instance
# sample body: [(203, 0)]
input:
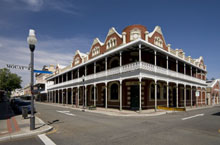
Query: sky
[(63, 26)]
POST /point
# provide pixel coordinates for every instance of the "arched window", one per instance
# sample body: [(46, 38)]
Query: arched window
[(114, 91), (158, 41), (76, 61), (111, 43), (95, 51), (114, 62), (152, 91), (164, 92)]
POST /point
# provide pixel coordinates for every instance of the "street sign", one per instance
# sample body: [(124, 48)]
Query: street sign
[(14, 66), (43, 72)]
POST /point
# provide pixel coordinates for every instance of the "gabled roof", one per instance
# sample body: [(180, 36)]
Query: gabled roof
[(82, 55), (96, 40), (199, 59), (157, 29), (212, 83), (112, 31)]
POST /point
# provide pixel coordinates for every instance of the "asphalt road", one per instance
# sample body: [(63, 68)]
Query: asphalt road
[(74, 127)]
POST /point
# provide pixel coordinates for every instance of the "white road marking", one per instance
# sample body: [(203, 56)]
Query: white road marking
[(46, 140), (192, 116), (66, 112)]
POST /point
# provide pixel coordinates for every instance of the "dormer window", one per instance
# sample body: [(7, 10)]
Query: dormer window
[(76, 61), (95, 51), (111, 43), (158, 41), (135, 34)]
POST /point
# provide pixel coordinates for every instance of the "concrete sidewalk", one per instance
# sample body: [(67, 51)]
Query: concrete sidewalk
[(14, 126), (17, 127), (113, 112), (123, 113)]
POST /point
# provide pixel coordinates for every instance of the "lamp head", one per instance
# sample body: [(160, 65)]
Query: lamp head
[(31, 39)]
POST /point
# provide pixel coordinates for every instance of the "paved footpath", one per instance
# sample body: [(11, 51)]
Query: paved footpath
[(15, 126)]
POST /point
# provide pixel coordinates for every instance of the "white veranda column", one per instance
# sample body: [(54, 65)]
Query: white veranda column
[(94, 94), (85, 95), (58, 96), (155, 93), (167, 94), (106, 95), (140, 94), (177, 96), (184, 96), (72, 96), (67, 96), (191, 96), (120, 95), (77, 101)]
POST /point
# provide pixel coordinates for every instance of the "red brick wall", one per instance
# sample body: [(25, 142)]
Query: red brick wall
[(129, 28), (80, 60), (156, 34)]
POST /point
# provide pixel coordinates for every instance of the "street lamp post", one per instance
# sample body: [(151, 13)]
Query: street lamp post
[(32, 40), (83, 79)]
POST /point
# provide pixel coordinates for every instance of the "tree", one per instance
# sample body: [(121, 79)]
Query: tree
[(9, 81)]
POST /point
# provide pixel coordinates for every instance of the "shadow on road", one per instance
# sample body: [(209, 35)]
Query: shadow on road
[(216, 114), (49, 123)]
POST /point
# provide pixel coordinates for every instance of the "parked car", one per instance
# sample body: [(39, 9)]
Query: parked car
[(14, 102), (21, 104)]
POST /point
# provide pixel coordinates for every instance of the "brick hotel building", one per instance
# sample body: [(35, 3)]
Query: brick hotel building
[(134, 70)]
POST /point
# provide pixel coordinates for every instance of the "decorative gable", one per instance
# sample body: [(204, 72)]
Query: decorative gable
[(96, 48), (112, 40), (156, 38), (77, 59), (135, 34)]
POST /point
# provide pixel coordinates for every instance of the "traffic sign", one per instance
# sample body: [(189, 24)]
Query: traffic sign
[(43, 72), (14, 66)]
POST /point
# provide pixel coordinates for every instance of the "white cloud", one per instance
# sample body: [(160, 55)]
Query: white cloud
[(65, 6), (50, 51)]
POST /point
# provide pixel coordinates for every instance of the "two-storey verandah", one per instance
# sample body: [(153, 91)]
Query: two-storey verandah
[(137, 75)]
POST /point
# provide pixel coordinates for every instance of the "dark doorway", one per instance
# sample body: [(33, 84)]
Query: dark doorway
[(69, 96), (174, 97), (135, 97), (57, 97), (103, 92)]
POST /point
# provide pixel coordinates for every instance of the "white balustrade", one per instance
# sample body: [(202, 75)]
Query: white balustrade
[(127, 68), (100, 74), (113, 71), (148, 66)]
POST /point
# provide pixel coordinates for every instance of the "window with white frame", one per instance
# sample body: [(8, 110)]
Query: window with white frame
[(111, 43), (76, 61), (158, 41), (95, 51), (135, 34)]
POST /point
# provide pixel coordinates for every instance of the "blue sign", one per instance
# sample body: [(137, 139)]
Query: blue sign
[(43, 72)]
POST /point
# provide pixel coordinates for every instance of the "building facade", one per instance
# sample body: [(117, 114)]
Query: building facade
[(39, 86), (134, 70), (213, 88)]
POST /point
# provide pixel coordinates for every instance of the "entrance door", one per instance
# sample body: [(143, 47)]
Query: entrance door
[(135, 97), (174, 97), (103, 92)]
